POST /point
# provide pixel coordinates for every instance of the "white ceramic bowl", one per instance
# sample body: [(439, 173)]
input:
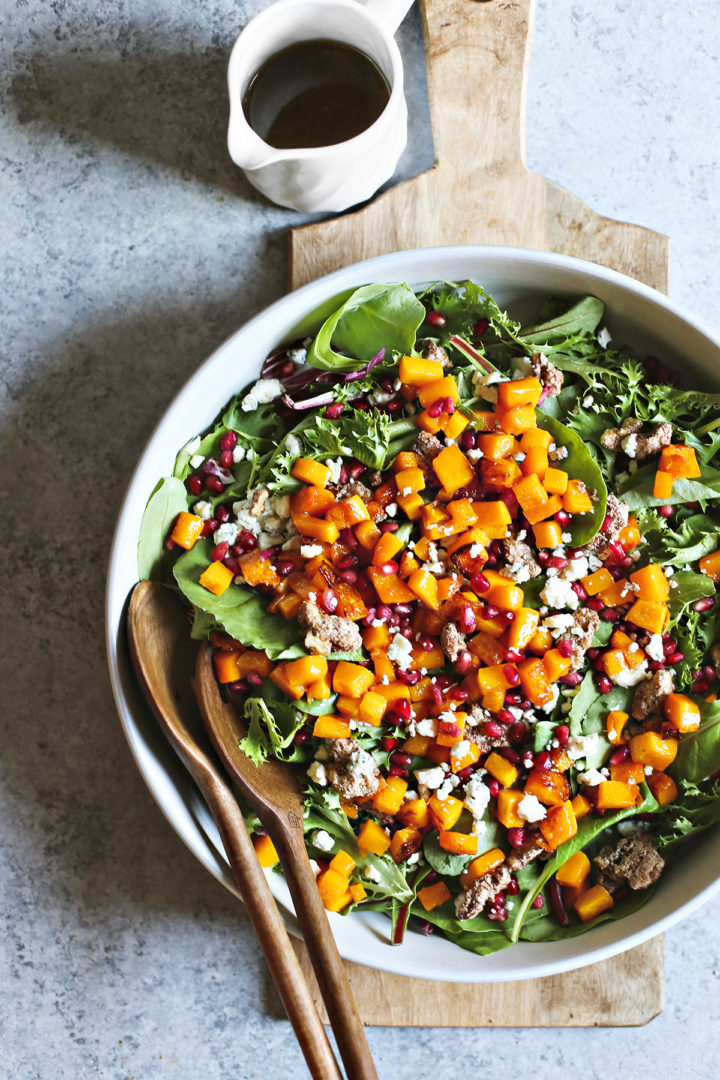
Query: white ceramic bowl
[(519, 280)]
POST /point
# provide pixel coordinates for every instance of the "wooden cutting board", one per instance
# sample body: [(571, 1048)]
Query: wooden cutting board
[(480, 191)]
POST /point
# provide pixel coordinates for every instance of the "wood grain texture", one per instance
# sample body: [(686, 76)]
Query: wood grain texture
[(626, 991), (480, 191)]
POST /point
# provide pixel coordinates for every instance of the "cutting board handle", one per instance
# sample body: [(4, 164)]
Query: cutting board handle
[(477, 60)]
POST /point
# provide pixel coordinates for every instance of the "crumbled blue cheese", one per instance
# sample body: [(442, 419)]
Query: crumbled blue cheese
[(558, 624), (477, 796), (264, 391), (309, 551), (460, 749), (530, 809), (238, 454), (603, 338), (627, 677), (203, 509), (334, 467), (372, 874), (317, 773), (400, 652), (430, 778), (558, 593), (293, 445), (322, 840), (391, 509), (196, 461), (582, 746), (591, 778), (629, 445), (226, 534), (654, 647)]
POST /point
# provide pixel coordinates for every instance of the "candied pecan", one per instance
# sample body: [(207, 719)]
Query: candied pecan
[(323, 633), (651, 693), (634, 861)]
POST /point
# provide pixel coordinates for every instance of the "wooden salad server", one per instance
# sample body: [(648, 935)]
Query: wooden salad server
[(163, 656), (273, 791)]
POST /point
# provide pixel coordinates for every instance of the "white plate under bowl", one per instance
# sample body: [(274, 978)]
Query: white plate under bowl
[(519, 280)]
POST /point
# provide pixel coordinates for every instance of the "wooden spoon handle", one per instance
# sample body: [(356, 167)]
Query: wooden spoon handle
[(271, 932), (332, 980)]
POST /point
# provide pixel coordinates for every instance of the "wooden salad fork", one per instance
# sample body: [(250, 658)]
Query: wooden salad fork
[(163, 656), (273, 792)]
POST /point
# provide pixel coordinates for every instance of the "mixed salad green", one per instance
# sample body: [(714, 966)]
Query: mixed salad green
[(338, 400)]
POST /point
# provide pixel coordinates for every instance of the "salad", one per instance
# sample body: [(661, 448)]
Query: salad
[(461, 574)]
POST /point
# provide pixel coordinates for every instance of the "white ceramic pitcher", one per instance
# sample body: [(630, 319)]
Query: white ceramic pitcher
[(321, 178)]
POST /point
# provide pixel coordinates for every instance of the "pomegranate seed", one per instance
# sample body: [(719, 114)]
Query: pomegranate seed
[(458, 694), (656, 665), (194, 484), (499, 899), (666, 511), (494, 788), (327, 601), (435, 318), (210, 527), (510, 755), (615, 572), (284, 566), (396, 770), (516, 837), (389, 742), (383, 612), (228, 441), (169, 544), (562, 734), (226, 458), (254, 678), (436, 695), (598, 664), (468, 440), (576, 553), (491, 611), (270, 553), (425, 643), (232, 564), (343, 475), (563, 518), (700, 686), (347, 562), (565, 648), (219, 552), (394, 406), (510, 675), (451, 729), (386, 384), (705, 604), (621, 754), (388, 526), (401, 758), (435, 408), (247, 539), (603, 684), (479, 583), (443, 681), (348, 538), (538, 902), (334, 411), (222, 514), (480, 327), (466, 619), (543, 557), (401, 708), (517, 732), (557, 562), (464, 662), (301, 737), (493, 730), (512, 888), (593, 653), (594, 603), (394, 620), (513, 697), (491, 561), (572, 680), (389, 567), (505, 716), (498, 914), (213, 484), (543, 761), (448, 406), (513, 656), (408, 678), (618, 551), (669, 643), (528, 760), (356, 470), (579, 591), (708, 673), (610, 614), (464, 774), (675, 658), (607, 522)]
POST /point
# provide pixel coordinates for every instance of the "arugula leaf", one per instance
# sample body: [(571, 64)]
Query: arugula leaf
[(167, 500), (375, 316), (588, 828), (698, 753), (371, 437), (694, 537), (240, 611), (270, 733), (323, 811), (579, 465), (558, 323), (697, 809)]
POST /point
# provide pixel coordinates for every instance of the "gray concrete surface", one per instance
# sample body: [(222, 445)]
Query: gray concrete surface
[(130, 248)]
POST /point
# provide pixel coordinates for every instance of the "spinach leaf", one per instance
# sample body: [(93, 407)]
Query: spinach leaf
[(579, 465), (697, 809), (374, 317), (240, 611), (698, 753), (588, 828), (443, 861), (686, 587), (558, 322), (167, 500), (479, 935)]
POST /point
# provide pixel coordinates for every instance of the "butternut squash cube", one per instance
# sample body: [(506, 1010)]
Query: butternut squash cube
[(452, 468), (352, 680), (372, 838), (593, 902), (217, 578), (432, 896), (187, 529), (502, 769), (649, 748), (574, 871)]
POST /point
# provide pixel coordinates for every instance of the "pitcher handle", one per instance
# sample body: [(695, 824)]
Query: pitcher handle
[(390, 13)]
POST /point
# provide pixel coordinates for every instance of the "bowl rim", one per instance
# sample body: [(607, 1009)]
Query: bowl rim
[(212, 858)]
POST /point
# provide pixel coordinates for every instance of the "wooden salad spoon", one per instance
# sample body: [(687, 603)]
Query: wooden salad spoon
[(163, 656), (273, 791)]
